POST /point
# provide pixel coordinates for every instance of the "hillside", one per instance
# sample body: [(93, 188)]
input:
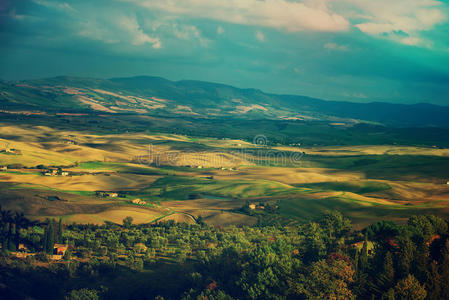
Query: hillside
[(146, 95)]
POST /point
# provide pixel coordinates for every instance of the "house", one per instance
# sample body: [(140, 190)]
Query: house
[(22, 248), (138, 201), (106, 194), (5, 168), (64, 173), (252, 206), (59, 249), (200, 167), (359, 246), (52, 172), (12, 151), (140, 248)]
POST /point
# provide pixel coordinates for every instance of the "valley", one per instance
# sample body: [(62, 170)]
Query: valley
[(221, 181)]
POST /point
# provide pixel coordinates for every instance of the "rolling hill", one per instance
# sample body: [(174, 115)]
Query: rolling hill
[(157, 96)]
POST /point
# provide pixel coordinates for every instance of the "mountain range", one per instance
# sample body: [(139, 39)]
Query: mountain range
[(199, 99)]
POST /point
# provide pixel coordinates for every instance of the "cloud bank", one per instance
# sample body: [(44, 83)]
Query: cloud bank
[(279, 14)]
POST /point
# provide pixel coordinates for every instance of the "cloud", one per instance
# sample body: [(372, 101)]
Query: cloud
[(401, 20), (336, 47), (220, 30), (123, 29), (279, 14), (137, 36), (189, 32), (56, 5), (260, 36)]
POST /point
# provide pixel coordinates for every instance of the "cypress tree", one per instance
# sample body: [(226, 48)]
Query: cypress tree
[(406, 255), (388, 270), (444, 270), (51, 238), (363, 258), (45, 241), (60, 231), (385, 280)]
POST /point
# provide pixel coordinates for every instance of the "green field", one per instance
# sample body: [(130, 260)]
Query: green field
[(365, 182)]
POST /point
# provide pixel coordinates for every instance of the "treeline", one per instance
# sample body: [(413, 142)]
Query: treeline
[(324, 259)]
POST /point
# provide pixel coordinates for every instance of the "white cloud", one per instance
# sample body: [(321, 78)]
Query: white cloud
[(123, 29), (403, 21), (171, 29), (220, 30), (279, 14), (337, 47), (400, 20), (136, 34), (189, 32), (57, 5), (260, 36)]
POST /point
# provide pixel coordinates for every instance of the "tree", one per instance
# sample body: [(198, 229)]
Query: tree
[(363, 257), (127, 222), (445, 270), (329, 280), (434, 283), (49, 241), (315, 246), (19, 221), (60, 229), (385, 280), (406, 255), (83, 294), (409, 288), (6, 219), (335, 224)]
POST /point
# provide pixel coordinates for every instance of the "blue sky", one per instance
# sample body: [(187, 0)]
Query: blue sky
[(355, 50)]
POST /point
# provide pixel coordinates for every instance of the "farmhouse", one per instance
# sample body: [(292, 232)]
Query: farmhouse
[(255, 206), (12, 151), (138, 201), (51, 172), (3, 168), (359, 246), (22, 248), (106, 194), (59, 249)]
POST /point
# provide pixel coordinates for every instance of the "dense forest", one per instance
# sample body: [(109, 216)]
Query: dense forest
[(324, 259)]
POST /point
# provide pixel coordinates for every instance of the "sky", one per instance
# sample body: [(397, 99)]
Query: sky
[(350, 50)]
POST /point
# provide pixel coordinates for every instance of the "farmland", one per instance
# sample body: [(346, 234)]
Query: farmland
[(180, 177)]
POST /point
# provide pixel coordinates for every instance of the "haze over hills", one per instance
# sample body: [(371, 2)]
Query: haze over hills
[(159, 96)]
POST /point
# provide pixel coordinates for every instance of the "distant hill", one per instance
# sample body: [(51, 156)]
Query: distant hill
[(198, 99)]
